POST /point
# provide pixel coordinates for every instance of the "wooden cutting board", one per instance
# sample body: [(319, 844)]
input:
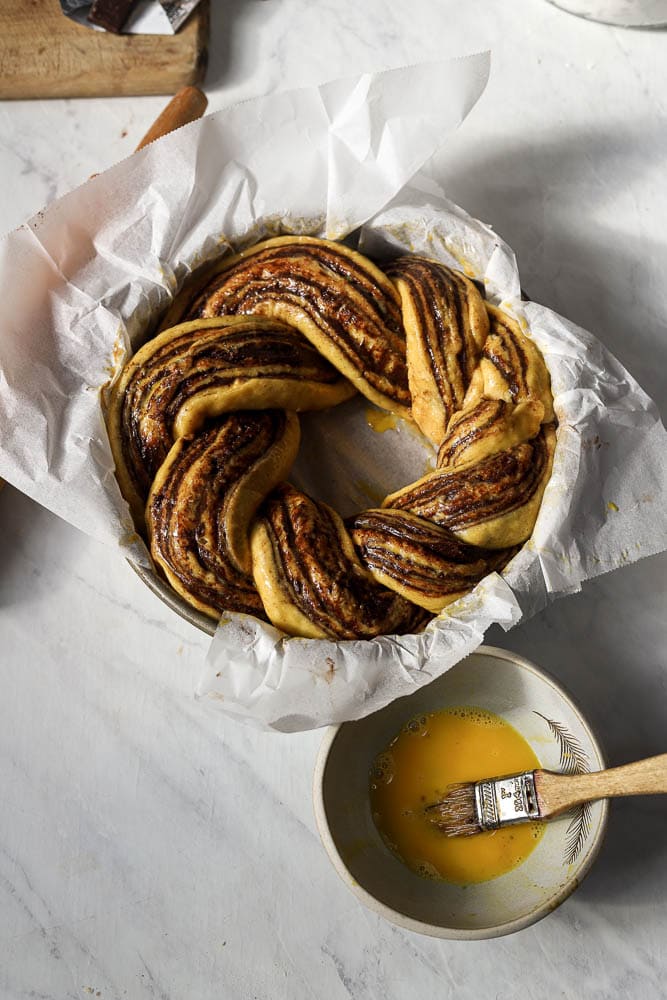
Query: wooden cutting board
[(45, 54)]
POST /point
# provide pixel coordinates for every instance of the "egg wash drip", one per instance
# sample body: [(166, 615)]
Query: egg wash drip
[(430, 753)]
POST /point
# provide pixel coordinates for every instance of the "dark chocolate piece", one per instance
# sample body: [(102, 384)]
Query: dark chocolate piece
[(111, 14)]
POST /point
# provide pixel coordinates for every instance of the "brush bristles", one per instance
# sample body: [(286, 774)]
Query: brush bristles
[(456, 814)]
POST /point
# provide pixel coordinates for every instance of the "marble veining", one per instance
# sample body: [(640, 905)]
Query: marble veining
[(151, 848)]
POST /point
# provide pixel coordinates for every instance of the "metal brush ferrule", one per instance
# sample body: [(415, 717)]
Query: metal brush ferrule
[(506, 800)]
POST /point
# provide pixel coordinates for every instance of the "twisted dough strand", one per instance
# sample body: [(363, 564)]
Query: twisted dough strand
[(310, 578), (446, 326), (203, 500), (420, 560), (511, 367), (490, 426), (338, 299), (492, 503)]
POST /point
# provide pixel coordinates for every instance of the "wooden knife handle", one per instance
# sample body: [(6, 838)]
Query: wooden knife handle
[(557, 792), (186, 106)]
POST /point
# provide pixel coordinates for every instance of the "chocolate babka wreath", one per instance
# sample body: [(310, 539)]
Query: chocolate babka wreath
[(204, 429)]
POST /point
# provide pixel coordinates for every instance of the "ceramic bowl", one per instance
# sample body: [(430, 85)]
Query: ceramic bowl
[(532, 702)]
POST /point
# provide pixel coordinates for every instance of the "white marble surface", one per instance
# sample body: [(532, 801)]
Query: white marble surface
[(150, 849)]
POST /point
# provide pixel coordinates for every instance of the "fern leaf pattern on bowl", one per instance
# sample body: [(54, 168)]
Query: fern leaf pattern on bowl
[(573, 760)]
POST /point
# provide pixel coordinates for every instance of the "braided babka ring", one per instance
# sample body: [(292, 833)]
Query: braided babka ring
[(299, 323)]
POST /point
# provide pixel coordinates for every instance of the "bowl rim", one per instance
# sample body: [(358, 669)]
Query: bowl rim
[(436, 930)]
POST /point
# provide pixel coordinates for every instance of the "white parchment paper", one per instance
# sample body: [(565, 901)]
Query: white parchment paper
[(82, 281)]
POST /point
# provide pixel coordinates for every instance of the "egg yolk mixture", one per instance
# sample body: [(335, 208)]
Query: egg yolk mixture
[(430, 753)]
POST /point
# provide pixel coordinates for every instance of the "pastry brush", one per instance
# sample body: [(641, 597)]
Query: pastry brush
[(473, 807)]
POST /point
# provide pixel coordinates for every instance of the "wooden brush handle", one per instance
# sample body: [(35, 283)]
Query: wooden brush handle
[(558, 792), (186, 106)]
